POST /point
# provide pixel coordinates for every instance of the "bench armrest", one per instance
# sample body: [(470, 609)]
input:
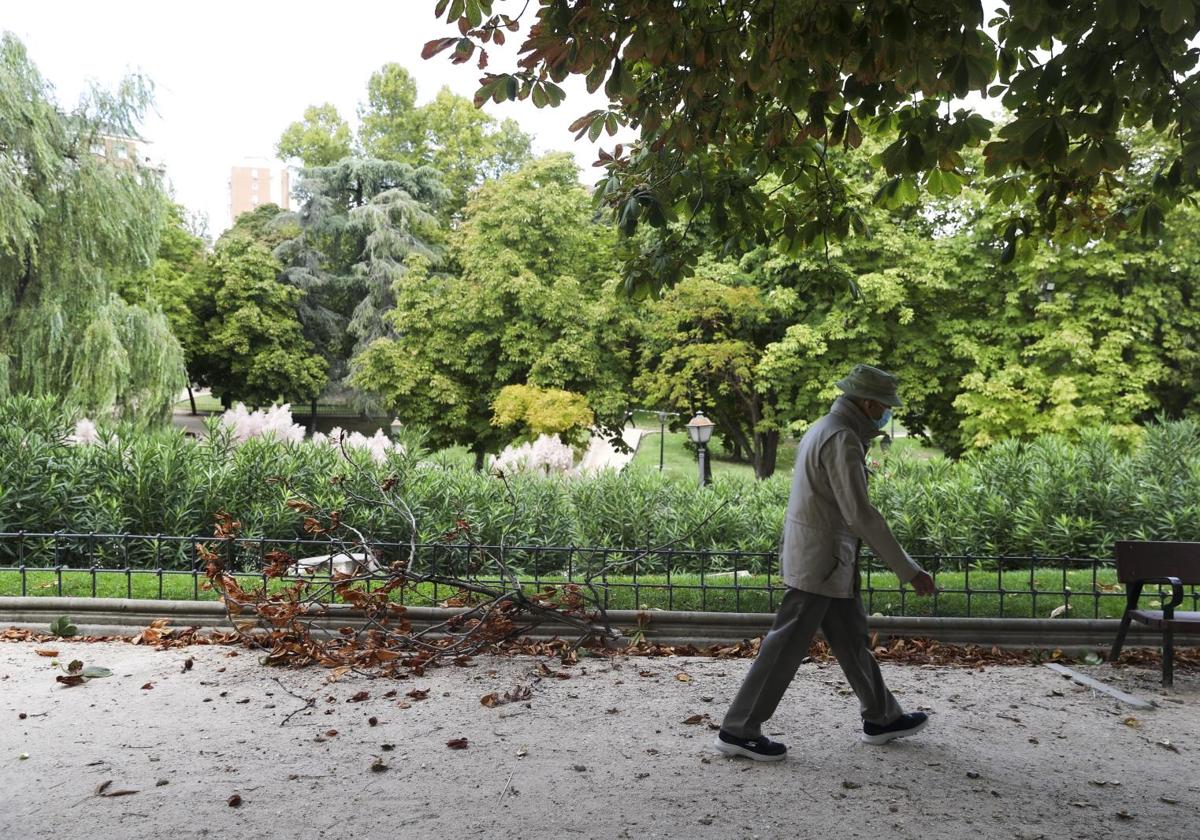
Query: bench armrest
[(1176, 593)]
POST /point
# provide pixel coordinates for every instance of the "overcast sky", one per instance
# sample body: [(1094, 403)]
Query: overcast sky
[(230, 76)]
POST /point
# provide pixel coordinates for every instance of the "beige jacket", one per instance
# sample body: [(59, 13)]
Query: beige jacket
[(828, 511)]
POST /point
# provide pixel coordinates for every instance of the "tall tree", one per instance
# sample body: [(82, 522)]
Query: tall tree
[(175, 284), (704, 340), (525, 303), (321, 138), (73, 224), (387, 128), (254, 349), (723, 95), (447, 133), (359, 221)]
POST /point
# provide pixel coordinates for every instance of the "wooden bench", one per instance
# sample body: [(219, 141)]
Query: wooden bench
[(1170, 563)]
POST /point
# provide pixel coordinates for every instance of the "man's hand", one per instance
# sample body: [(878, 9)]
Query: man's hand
[(923, 583)]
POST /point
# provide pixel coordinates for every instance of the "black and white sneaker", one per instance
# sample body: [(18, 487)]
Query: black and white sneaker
[(761, 748), (901, 727)]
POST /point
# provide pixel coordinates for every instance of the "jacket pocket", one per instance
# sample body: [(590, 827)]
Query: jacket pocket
[(845, 548), (845, 555)]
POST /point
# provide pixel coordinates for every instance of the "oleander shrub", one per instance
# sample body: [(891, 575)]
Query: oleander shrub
[(1048, 497)]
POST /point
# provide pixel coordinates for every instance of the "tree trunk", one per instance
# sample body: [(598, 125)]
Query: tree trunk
[(479, 453), (766, 453), (312, 419), (192, 399), (734, 433), (736, 446), (226, 400)]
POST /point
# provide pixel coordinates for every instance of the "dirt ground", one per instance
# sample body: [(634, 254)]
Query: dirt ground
[(1011, 752)]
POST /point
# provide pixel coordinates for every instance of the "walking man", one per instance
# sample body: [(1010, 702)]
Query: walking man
[(828, 517)]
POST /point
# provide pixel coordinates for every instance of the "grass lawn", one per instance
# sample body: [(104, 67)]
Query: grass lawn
[(207, 402), (716, 593), (680, 462)]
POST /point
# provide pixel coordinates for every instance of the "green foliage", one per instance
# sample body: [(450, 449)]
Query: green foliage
[(255, 350), (1072, 337), (542, 411), (63, 627), (730, 100), (704, 341), (447, 133), (321, 138), (175, 284), (1047, 497), (361, 219), (522, 301), (75, 225)]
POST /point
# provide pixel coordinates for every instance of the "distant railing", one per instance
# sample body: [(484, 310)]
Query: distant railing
[(163, 566)]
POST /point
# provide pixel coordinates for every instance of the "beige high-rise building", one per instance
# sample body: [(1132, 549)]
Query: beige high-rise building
[(258, 181), (125, 150)]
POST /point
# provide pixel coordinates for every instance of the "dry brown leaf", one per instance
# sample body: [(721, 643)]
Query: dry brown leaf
[(682, 677), (359, 697), (457, 744), (147, 686), (234, 801), (694, 719), (45, 652), (490, 700), (102, 789)]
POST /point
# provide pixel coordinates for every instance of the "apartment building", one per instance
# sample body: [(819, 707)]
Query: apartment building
[(257, 181), (124, 150)]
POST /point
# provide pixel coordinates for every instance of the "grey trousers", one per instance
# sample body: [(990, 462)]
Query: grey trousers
[(844, 623)]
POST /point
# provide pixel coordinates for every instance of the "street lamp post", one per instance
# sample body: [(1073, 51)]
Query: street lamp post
[(700, 429)]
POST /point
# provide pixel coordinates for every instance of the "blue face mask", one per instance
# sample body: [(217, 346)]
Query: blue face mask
[(884, 419)]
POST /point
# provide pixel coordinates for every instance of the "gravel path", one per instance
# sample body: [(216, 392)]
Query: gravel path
[(1015, 752)]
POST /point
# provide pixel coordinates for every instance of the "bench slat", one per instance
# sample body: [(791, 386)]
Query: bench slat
[(1154, 618)]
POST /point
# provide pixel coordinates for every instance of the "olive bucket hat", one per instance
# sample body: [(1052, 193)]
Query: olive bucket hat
[(871, 383)]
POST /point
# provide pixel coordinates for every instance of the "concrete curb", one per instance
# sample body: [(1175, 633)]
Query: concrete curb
[(123, 616)]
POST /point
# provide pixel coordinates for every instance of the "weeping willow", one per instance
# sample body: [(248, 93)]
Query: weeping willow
[(71, 222)]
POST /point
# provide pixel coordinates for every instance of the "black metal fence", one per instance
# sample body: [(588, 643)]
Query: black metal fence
[(161, 566)]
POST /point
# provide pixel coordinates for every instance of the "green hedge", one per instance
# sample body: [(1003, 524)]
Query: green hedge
[(1048, 497)]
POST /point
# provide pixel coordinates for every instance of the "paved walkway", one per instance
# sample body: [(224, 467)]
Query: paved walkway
[(607, 751)]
